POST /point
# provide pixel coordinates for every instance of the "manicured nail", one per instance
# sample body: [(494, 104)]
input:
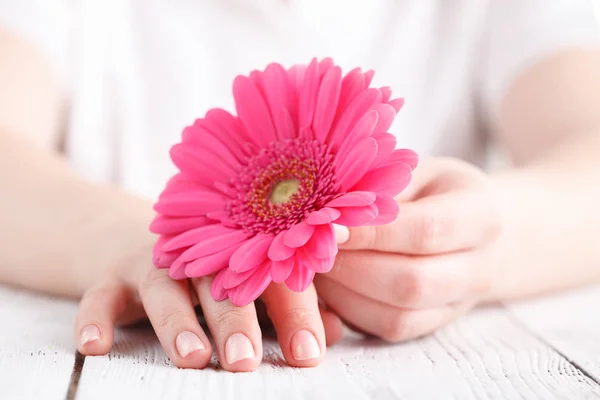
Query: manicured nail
[(342, 234), (305, 346), (89, 334), (238, 347), (187, 343)]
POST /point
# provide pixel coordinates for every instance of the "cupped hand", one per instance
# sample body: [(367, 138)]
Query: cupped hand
[(409, 278), (137, 290)]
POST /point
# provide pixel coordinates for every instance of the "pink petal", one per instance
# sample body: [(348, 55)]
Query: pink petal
[(173, 225), (363, 129), (386, 93), (307, 96), (357, 216), (277, 88), (325, 65), (386, 143), (204, 138), (391, 179), (369, 77), (397, 104), (200, 163), (228, 129), (353, 199), (251, 254), (388, 210), (322, 244), (253, 111), (327, 100), (253, 287), (210, 264), (298, 235), (319, 265), (189, 203), (217, 291), (278, 251), (233, 279), (386, 114), (357, 163), (323, 216), (161, 258), (177, 271), (300, 278), (213, 245), (281, 270), (194, 236), (359, 106), (405, 156), (352, 84)]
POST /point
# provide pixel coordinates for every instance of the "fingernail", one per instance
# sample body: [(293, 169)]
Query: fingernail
[(187, 343), (238, 347), (305, 346), (89, 334), (342, 234)]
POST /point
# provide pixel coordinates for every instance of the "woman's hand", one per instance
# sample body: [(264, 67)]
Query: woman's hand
[(138, 289), (407, 279)]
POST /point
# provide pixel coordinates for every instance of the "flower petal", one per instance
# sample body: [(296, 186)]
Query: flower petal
[(228, 129), (251, 254), (195, 236), (281, 270), (217, 291), (405, 156), (253, 287), (352, 84), (253, 111), (319, 265), (388, 210), (357, 163), (357, 216), (172, 225), (214, 244), (322, 244), (232, 279), (353, 199), (177, 271), (298, 234), (300, 278), (386, 144), (210, 264), (191, 203), (397, 104), (363, 129), (327, 100), (200, 163), (323, 216), (277, 90), (307, 95), (278, 251), (198, 135), (355, 111), (390, 179)]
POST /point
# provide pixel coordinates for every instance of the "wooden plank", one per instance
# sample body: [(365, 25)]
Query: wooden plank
[(569, 322), (36, 345), (485, 355)]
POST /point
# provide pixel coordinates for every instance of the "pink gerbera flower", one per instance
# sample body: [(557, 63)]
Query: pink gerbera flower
[(257, 194)]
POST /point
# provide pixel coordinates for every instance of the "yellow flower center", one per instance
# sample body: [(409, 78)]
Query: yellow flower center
[(284, 190)]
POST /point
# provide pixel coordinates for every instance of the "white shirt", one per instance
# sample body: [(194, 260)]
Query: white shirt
[(136, 72)]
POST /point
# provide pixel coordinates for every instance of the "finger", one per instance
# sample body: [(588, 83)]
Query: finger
[(334, 328), (298, 323), (389, 323), (235, 330), (99, 309), (171, 312), (411, 281), (432, 225)]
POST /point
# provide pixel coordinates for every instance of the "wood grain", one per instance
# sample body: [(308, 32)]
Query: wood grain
[(36, 345), (485, 355)]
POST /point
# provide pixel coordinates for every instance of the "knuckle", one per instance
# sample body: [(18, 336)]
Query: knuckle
[(397, 328), (299, 316), (427, 232), (231, 317), (171, 319), (152, 279), (365, 237), (414, 286)]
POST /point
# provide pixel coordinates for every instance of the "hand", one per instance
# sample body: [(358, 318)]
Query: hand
[(126, 294), (407, 279)]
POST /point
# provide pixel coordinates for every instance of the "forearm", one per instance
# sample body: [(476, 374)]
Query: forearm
[(551, 236), (58, 231)]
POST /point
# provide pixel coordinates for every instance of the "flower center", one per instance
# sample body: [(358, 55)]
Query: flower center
[(283, 190), (281, 185)]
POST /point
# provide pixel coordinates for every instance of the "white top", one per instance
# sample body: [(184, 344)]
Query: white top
[(136, 72)]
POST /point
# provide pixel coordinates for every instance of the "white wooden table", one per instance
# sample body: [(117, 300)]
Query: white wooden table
[(542, 349)]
